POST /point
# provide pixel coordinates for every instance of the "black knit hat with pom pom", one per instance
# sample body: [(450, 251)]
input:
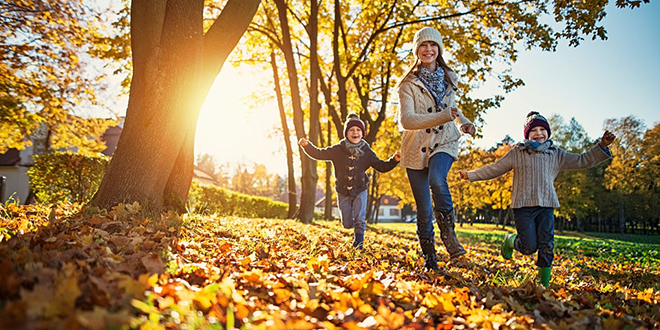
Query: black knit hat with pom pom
[(535, 119)]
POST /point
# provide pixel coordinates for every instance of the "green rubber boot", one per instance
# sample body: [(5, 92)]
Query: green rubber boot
[(507, 245), (544, 275)]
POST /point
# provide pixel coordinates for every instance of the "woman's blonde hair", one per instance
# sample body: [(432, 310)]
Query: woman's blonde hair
[(414, 69)]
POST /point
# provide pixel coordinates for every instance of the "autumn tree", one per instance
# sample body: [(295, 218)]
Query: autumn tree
[(576, 189), (175, 59), (48, 77), (623, 174), (651, 176), (365, 49)]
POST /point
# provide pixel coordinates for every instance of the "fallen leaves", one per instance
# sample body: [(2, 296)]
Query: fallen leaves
[(97, 270)]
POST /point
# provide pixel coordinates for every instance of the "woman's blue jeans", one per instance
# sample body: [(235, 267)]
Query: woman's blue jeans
[(431, 182), (353, 214), (536, 232)]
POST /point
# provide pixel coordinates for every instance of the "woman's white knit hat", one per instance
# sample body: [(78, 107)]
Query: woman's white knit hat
[(427, 34)]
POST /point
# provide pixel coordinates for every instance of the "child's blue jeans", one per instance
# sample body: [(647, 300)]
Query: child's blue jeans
[(536, 232), (353, 214)]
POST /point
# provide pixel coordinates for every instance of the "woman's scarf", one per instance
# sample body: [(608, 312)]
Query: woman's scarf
[(535, 145), (434, 82), (355, 149)]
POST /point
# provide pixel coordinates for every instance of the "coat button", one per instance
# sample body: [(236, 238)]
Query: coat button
[(423, 149), (428, 130), (440, 127), (429, 109)]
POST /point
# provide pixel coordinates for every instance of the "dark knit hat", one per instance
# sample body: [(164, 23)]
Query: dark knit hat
[(535, 119), (353, 120)]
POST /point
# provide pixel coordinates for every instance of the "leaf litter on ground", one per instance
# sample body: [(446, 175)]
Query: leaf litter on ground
[(74, 267)]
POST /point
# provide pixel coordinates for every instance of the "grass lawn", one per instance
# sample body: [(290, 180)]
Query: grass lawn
[(601, 246)]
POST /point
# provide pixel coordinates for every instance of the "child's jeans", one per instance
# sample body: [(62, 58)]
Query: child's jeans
[(353, 214), (536, 231)]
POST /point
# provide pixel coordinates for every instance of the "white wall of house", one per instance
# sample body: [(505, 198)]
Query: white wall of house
[(335, 211), (17, 184), (387, 213)]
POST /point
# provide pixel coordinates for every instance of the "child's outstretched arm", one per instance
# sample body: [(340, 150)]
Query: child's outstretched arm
[(463, 174), (607, 139), (397, 156)]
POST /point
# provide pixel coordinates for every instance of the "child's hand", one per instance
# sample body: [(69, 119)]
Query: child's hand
[(463, 174), (397, 156), (469, 129), (607, 139), (454, 113), (303, 142)]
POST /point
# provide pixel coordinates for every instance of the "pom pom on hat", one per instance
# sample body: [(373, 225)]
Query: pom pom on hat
[(427, 34), (353, 120), (535, 119)]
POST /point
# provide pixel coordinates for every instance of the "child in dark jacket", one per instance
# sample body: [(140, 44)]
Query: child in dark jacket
[(535, 163), (351, 158)]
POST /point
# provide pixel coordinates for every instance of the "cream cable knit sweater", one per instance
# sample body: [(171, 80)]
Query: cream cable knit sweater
[(426, 129), (534, 173)]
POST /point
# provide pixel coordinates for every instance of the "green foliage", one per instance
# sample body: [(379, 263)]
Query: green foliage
[(223, 202), (66, 176)]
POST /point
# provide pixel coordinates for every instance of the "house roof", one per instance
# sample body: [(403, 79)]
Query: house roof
[(389, 200), (111, 137), (10, 158), (321, 202), (385, 200), (202, 175)]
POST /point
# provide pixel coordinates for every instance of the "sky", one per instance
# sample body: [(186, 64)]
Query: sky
[(596, 81)]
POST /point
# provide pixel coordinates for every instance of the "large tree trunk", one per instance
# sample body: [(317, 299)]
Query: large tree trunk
[(292, 196), (328, 179), (309, 175), (174, 66)]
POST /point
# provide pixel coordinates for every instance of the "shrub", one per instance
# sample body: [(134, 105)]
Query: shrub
[(223, 202), (66, 176)]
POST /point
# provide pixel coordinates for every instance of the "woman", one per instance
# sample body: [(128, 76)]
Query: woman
[(430, 141)]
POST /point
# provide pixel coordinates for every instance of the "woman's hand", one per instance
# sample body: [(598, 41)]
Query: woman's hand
[(454, 113), (469, 129)]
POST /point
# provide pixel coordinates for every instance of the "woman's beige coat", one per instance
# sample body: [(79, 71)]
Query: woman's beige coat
[(427, 128)]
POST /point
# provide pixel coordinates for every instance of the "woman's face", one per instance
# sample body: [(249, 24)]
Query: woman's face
[(428, 53), (538, 134)]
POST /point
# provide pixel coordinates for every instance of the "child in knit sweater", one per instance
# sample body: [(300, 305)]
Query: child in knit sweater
[(351, 158), (535, 163)]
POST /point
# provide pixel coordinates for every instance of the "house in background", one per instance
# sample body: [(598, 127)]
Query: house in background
[(205, 178), (388, 210), (14, 165)]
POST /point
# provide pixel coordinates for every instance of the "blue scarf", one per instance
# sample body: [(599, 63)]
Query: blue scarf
[(434, 82), (536, 146)]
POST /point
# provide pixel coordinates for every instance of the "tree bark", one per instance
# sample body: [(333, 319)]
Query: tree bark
[(309, 175), (291, 179), (174, 66)]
